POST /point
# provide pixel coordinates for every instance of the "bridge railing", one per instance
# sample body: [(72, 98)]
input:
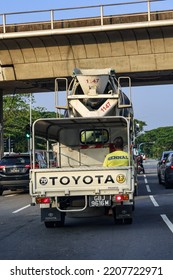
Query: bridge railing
[(96, 15)]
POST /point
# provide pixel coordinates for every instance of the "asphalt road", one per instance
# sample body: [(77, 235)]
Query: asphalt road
[(149, 237)]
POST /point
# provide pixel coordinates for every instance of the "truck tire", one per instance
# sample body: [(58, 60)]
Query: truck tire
[(1, 191), (166, 183), (128, 221), (135, 190), (50, 224), (116, 221), (53, 224), (159, 179)]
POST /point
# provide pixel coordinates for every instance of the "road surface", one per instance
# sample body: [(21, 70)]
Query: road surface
[(149, 237)]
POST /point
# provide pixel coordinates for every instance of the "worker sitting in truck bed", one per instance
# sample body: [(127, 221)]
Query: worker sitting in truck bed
[(118, 157)]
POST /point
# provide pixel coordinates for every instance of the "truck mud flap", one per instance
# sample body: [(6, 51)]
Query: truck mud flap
[(123, 212), (51, 215)]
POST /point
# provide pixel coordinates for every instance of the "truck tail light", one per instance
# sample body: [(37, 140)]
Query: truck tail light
[(43, 200), (121, 197)]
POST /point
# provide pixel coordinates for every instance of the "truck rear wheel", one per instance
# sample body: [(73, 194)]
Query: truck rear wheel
[(50, 224), (116, 221), (54, 224), (1, 191), (160, 180), (128, 221)]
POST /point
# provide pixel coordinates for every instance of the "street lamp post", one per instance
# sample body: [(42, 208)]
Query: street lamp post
[(139, 147)]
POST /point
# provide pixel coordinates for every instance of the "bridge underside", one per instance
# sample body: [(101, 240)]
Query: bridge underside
[(47, 85), (31, 64)]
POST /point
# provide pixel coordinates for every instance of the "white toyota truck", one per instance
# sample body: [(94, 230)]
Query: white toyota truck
[(96, 111)]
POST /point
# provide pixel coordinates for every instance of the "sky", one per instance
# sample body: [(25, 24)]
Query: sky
[(152, 104)]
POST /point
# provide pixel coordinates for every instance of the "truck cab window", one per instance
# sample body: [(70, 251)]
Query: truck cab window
[(94, 136)]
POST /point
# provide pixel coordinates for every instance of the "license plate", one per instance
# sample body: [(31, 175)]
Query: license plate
[(99, 200), (15, 170)]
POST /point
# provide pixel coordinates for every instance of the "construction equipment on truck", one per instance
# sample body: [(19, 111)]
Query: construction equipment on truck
[(95, 113)]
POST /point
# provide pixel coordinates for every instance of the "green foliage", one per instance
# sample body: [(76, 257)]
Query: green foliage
[(16, 115), (162, 138), (140, 125), (138, 128), (16, 110)]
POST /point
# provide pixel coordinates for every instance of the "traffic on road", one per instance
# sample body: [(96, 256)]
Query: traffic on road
[(24, 236)]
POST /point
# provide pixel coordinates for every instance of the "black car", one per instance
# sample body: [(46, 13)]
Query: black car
[(161, 161), (14, 171), (166, 171)]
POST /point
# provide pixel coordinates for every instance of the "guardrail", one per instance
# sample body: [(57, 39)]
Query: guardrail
[(13, 22)]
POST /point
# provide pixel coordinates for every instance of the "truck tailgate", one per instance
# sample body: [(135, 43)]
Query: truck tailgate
[(81, 181)]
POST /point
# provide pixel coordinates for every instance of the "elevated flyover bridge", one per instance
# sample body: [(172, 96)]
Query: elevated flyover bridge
[(35, 50), (34, 53)]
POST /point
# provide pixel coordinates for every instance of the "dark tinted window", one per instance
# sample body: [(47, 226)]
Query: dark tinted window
[(170, 158), (94, 136), (15, 160)]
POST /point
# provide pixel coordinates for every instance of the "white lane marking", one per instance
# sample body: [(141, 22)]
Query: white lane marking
[(18, 210), (145, 180), (148, 188), (146, 184), (153, 200), (167, 222), (163, 216), (9, 195)]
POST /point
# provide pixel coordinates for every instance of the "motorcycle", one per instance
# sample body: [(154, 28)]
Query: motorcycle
[(140, 169)]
